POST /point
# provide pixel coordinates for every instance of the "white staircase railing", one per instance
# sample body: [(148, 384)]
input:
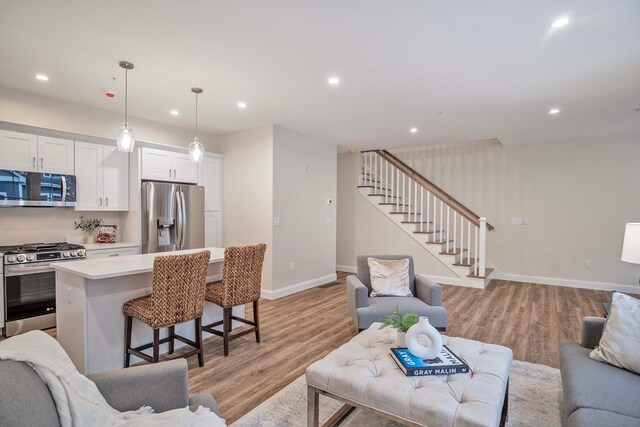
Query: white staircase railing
[(460, 232)]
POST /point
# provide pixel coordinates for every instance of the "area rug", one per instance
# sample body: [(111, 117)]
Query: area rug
[(535, 393)]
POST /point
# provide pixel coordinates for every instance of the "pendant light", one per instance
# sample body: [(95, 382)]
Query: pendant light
[(126, 137), (196, 149)]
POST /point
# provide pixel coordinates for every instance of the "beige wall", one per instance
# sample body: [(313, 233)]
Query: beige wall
[(577, 196), (364, 230), (300, 201), (247, 188)]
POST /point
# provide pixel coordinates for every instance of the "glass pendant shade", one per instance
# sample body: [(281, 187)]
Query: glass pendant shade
[(126, 138), (196, 150)]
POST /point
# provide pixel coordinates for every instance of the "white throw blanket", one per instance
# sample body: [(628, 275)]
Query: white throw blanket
[(77, 398)]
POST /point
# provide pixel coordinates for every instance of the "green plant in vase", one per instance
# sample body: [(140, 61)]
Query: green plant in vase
[(88, 225), (401, 322)]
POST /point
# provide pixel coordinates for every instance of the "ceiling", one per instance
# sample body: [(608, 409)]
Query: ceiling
[(456, 70)]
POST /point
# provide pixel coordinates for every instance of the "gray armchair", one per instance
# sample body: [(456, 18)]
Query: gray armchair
[(365, 310), (26, 401)]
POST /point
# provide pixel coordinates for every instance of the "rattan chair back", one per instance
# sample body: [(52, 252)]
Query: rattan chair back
[(242, 274), (179, 284)]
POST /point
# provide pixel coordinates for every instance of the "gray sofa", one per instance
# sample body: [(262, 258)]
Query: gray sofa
[(427, 299), (596, 394), (25, 400)]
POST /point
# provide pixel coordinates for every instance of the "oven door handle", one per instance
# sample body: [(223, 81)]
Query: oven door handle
[(21, 271)]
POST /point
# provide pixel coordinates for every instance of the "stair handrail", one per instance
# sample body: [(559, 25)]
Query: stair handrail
[(430, 186)]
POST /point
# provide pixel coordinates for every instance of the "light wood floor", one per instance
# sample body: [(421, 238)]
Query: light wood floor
[(531, 319), (297, 330)]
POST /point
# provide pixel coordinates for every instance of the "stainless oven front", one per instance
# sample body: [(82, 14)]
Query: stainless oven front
[(30, 297)]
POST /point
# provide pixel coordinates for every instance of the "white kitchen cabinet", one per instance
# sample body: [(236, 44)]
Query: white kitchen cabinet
[(103, 178), (32, 153), (213, 229), (110, 253), (171, 166), (210, 177)]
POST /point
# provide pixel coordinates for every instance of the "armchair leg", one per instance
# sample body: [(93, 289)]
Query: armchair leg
[(226, 328), (199, 341)]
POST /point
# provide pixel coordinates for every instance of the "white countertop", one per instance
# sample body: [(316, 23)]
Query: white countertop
[(96, 246), (104, 268)]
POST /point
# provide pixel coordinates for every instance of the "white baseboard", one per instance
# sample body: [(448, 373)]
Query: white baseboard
[(584, 284), (297, 287), (346, 269)]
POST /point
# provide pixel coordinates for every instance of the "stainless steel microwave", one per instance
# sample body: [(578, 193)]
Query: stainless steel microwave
[(18, 188)]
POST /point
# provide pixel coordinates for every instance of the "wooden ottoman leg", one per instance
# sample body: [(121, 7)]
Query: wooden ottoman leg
[(505, 407), (313, 406)]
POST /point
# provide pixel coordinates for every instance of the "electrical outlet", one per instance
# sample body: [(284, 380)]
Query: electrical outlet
[(516, 221), (587, 263), (293, 266), (329, 220), (276, 222)]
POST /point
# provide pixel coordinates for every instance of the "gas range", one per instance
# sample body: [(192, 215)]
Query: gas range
[(30, 284), (41, 252)]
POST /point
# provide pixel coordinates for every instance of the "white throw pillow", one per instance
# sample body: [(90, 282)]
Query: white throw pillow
[(620, 342), (389, 277)]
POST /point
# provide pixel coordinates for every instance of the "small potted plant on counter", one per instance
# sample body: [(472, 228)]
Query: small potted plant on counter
[(401, 322), (88, 225)]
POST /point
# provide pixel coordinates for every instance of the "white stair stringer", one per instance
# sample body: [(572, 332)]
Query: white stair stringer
[(461, 272)]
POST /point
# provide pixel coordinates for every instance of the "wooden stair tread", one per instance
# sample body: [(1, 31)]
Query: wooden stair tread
[(414, 222), (393, 204), (488, 271), (456, 252), (437, 242), (426, 232), (383, 195), (401, 212)]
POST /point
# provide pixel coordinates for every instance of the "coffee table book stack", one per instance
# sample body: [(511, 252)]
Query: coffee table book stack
[(448, 363)]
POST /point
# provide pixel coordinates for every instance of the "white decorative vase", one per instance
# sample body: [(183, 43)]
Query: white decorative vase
[(400, 338), (89, 239), (423, 327)]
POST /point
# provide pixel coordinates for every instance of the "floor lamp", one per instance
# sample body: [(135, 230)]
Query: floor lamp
[(631, 245)]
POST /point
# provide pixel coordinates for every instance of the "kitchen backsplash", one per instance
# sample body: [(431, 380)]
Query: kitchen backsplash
[(32, 225)]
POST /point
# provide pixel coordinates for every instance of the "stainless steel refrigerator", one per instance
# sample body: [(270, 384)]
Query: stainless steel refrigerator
[(172, 217)]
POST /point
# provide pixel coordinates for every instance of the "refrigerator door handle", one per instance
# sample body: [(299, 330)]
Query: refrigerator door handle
[(184, 219), (179, 221)]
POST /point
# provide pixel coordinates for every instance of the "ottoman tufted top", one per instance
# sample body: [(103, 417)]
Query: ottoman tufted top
[(363, 371)]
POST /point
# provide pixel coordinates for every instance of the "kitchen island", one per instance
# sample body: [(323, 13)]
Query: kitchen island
[(89, 299)]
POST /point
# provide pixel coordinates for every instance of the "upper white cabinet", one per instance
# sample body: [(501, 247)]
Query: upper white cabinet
[(169, 166), (103, 178), (25, 152), (210, 176)]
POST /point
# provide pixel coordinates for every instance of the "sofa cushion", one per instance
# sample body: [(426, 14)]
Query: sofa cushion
[(620, 342), (587, 383), (362, 267), (389, 277), (587, 417), (382, 306), (28, 402)]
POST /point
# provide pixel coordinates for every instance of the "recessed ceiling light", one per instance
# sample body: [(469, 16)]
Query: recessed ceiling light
[(334, 81), (561, 22), (174, 112), (554, 111), (42, 77), (413, 130), (242, 105)]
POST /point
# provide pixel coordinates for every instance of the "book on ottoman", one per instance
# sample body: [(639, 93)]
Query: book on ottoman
[(445, 364)]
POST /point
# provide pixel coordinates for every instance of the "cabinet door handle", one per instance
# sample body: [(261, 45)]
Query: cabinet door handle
[(174, 173), (34, 162), (100, 201), (106, 201), (114, 254), (169, 172), (41, 162)]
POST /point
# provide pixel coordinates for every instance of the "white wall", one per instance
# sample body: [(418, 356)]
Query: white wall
[(247, 188), (49, 113), (576, 195), (304, 177)]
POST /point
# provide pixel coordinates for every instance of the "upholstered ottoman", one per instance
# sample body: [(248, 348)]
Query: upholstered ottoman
[(361, 373)]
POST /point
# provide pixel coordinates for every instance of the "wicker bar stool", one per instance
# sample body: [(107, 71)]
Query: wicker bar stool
[(241, 280), (177, 296)]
